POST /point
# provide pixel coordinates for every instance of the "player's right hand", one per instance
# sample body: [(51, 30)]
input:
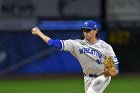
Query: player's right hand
[(36, 31)]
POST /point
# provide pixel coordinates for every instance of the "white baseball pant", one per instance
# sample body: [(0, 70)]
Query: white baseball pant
[(96, 84)]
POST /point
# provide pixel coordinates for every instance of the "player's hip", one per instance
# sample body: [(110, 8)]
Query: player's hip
[(96, 84)]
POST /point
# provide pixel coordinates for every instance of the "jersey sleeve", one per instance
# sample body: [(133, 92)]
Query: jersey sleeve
[(111, 53), (67, 45)]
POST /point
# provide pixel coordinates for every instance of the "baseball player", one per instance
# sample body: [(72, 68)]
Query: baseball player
[(96, 57)]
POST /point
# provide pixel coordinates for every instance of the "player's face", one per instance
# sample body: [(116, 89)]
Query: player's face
[(89, 34)]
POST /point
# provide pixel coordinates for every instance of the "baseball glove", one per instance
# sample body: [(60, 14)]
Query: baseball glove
[(109, 64)]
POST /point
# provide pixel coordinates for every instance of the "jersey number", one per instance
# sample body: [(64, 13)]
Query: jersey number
[(98, 61)]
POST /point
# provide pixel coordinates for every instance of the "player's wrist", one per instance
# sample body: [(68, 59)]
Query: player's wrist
[(111, 72), (39, 33)]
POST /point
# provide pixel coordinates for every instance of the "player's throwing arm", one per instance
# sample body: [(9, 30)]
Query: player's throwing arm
[(56, 43), (36, 31)]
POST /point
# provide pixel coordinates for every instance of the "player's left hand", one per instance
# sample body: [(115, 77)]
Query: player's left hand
[(110, 67)]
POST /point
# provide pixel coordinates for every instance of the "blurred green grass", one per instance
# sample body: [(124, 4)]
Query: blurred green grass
[(117, 85)]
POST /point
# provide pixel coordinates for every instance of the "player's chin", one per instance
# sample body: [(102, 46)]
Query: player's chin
[(87, 38)]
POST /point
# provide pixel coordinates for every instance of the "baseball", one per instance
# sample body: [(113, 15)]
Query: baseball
[(34, 29)]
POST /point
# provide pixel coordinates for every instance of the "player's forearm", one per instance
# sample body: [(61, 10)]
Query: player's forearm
[(44, 37), (56, 43), (36, 31)]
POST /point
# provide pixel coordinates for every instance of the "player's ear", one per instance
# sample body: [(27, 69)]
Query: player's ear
[(96, 32)]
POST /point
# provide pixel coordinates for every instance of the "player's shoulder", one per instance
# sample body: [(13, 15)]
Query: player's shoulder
[(75, 40), (104, 44), (79, 42)]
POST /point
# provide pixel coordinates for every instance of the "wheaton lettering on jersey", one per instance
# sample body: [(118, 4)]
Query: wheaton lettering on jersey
[(91, 51)]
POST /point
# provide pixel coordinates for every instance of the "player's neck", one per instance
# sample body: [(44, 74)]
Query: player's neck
[(92, 41)]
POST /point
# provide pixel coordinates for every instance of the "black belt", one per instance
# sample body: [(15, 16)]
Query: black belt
[(91, 75)]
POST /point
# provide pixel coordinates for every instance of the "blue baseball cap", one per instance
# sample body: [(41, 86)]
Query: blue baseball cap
[(92, 25)]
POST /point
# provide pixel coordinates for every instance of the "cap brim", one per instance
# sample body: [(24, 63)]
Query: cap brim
[(86, 28)]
